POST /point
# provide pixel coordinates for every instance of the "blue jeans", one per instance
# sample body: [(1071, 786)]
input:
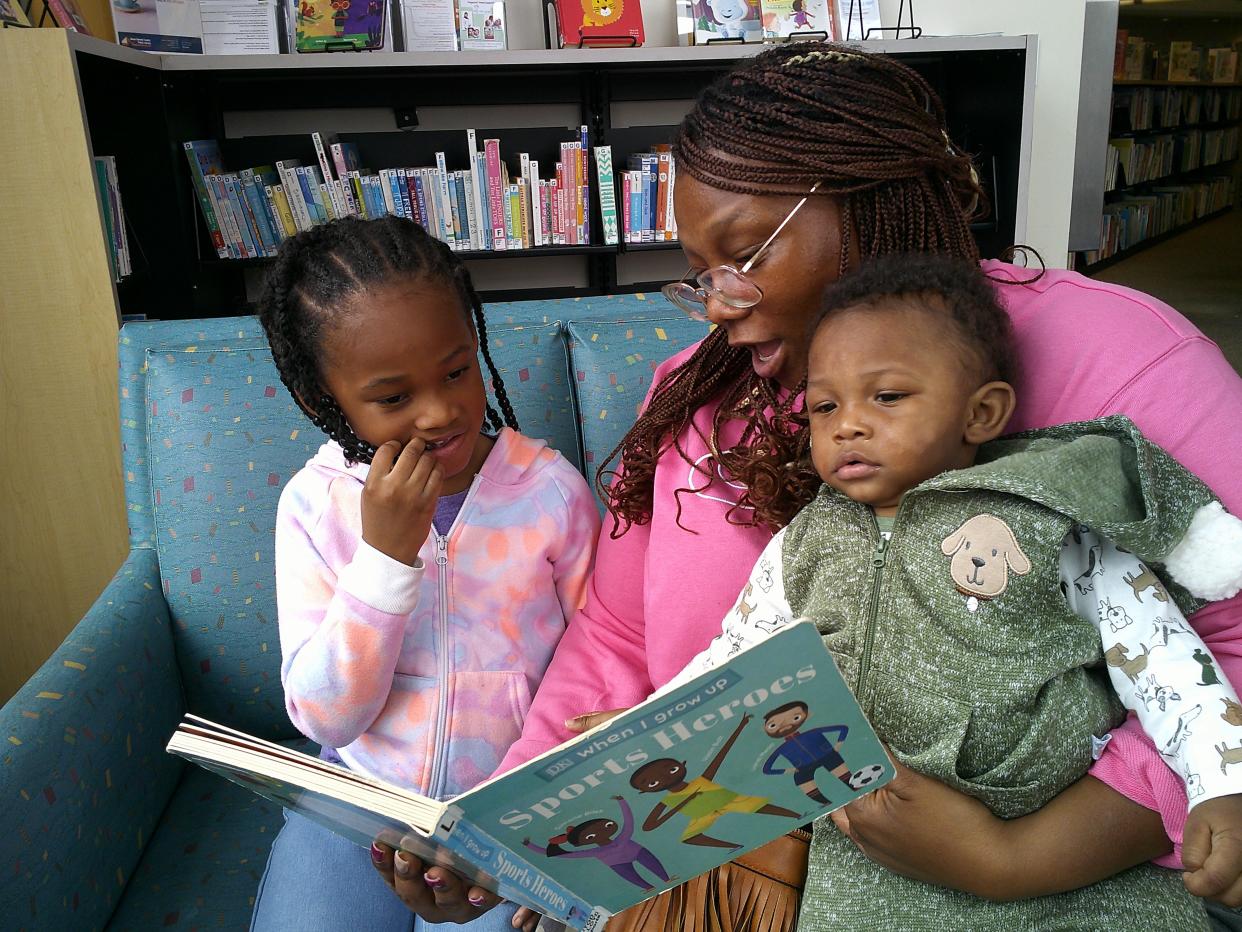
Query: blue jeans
[(316, 880)]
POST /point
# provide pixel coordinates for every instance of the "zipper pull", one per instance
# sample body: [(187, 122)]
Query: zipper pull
[(877, 558), (441, 550)]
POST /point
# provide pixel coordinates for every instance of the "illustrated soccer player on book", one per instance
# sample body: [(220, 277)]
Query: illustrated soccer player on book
[(806, 750), (618, 851)]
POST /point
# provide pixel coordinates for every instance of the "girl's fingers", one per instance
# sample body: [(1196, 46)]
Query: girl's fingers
[(421, 476), (382, 461), (525, 919), (381, 860), (411, 456)]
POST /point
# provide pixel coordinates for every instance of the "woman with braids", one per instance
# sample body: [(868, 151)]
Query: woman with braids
[(792, 169), (400, 545)]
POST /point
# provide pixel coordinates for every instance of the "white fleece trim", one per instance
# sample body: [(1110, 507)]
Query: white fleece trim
[(380, 581), (1208, 560)]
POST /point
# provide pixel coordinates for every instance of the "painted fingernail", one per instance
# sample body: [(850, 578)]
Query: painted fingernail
[(377, 854), (434, 882), (401, 863), (476, 900)]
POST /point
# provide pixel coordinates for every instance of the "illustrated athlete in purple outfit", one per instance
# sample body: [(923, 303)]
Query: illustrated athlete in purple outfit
[(620, 853)]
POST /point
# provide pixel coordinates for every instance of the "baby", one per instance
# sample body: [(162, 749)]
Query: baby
[(973, 590)]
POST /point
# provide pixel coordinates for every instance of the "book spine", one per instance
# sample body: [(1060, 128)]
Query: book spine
[(432, 189), (211, 182), (536, 204), (479, 234), (342, 174), (512, 218), (283, 212), (360, 194), (293, 191), (491, 149), (317, 192), (325, 198), (197, 171), (264, 191), (403, 189), (454, 210), (636, 205), (670, 219), (465, 184), (387, 189), (325, 166), (661, 206), (628, 236), (266, 241), (446, 212), (232, 236), (464, 236), (607, 194), (648, 198), (485, 204), (249, 251), (420, 190), (545, 198), (584, 179), (559, 212), (105, 214), (524, 232), (308, 199), (375, 189), (118, 215)]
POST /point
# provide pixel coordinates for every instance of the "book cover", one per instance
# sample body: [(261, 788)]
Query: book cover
[(497, 192), (479, 238), (607, 194), (266, 237), (203, 156), (323, 146), (105, 214), (68, 16), (785, 18), (283, 211), (481, 24), (169, 26), (344, 160), (429, 25), (11, 12), (465, 234), (855, 17), (663, 792), (339, 25), (245, 222), (443, 203), (237, 27), (224, 213), (726, 19), (600, 23)]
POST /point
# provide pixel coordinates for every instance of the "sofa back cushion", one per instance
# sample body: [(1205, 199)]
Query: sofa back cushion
[(612, 364)]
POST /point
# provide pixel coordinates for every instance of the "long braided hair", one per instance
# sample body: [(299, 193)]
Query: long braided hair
[(319, 269), (871, 132)]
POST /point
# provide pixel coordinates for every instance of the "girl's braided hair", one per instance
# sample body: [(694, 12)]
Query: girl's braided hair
[(319, 269), (872, 133)]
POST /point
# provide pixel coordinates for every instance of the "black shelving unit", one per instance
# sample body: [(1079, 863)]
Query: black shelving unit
[(169, 99)]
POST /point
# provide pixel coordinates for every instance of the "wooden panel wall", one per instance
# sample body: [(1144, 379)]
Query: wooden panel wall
[(62, 510)]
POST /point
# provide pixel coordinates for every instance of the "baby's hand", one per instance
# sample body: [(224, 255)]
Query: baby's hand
[(399, 499), (1212, 850)]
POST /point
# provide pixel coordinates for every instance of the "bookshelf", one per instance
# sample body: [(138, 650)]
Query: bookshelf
[(400, 108)]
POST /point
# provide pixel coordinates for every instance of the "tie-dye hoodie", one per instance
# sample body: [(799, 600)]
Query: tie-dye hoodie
[(423, 675)]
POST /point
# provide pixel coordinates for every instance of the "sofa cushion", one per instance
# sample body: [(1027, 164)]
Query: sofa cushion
[(202, 866), (223, 437), (612, 364), (135, 339), (598, 307), (533, 361)]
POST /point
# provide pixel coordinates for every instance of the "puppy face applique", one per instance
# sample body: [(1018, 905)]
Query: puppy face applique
[(982, 553)]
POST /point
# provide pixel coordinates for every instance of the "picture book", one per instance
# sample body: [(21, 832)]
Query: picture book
[(689, 779), (67, 15), (339, 25), (481, 24), (600, 22), (11, 12), (784, 18), (726, 19)]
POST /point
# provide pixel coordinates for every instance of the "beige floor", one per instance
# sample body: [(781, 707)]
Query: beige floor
[(1200, 274)]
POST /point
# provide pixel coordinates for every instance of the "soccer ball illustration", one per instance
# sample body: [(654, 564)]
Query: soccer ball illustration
[(867, 776)]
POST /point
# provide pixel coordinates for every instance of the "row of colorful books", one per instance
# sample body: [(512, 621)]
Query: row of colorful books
[(482, 207), (1139, 59), (1134, 161), (647, 196), (109, 194), (1145, 108), (1128, 222)]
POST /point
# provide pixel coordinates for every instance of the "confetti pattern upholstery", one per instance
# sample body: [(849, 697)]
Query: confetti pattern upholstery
[(99, 827)]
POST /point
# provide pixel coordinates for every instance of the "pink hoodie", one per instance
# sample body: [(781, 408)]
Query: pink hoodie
[(1087, 349), (423, 675)]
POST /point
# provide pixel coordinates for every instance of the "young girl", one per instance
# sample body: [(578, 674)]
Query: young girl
[(425, 567), (971, 608)]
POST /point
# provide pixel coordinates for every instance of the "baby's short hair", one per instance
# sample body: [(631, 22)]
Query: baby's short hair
[(954, 289)]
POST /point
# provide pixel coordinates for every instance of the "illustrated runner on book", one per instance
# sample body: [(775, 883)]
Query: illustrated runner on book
[(621, 853), (700, 800)]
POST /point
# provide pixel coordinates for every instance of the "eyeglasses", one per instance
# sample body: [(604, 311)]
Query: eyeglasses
[(726, 284)]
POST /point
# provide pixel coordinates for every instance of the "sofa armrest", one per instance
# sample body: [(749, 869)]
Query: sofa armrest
[(84, 777)]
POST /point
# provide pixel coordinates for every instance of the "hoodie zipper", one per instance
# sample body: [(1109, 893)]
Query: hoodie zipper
[(440, 743), (878, 557)]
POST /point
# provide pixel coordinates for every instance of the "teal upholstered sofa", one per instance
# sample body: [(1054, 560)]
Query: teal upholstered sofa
[(99, 827)]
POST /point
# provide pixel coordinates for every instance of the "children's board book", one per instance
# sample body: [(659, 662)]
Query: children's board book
[(600, 22), (726, 19), (784, 18), (339, 25), (663, 792)]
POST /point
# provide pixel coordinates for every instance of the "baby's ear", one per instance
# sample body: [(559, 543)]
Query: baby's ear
[(988, 412)]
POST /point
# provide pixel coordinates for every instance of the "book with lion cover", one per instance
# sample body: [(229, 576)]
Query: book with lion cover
[(669, 789), (600, 22)]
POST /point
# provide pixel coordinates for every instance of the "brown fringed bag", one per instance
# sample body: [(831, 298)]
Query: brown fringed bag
[(758, 892)]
